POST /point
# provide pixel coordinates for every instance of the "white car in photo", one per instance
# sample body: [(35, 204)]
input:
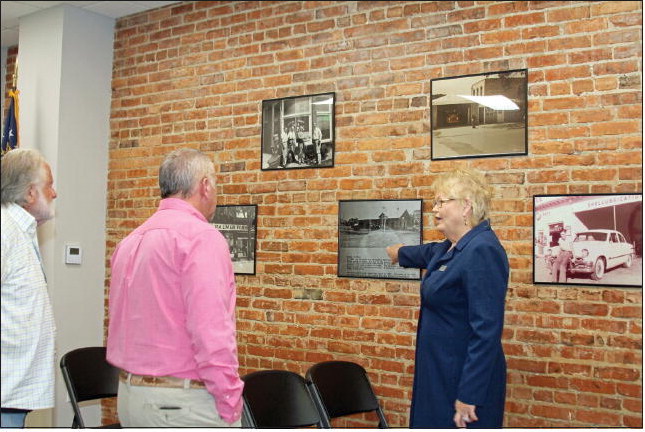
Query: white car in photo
[(596, 251)]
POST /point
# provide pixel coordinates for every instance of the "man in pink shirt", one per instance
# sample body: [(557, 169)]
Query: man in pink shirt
[(172, 308)]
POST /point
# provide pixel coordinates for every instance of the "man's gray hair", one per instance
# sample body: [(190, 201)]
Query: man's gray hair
[(21, 168), (181, 170)]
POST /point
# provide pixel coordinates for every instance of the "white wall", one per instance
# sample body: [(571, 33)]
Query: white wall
[(64, 78), (3, 62)]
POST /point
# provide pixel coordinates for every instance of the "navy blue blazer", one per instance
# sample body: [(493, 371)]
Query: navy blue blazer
[(459, 351)]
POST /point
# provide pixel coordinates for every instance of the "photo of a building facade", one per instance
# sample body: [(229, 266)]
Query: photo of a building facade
[(479, 115), (364, 226)]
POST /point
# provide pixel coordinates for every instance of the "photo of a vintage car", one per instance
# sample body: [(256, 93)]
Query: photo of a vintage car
[(598, 238), (596, 251)]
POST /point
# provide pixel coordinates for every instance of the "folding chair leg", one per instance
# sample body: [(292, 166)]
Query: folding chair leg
[(382, 423), (247, 417), (324, 417)]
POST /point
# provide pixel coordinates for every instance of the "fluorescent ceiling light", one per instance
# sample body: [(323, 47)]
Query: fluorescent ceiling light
[(496, 102), (324, 102)]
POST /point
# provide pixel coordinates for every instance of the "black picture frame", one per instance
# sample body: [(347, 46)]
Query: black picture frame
[(238, 224), (479, 115), (298, 132), (606, 233), (367, 227)]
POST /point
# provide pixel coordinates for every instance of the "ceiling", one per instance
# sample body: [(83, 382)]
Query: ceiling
[(11, 11)]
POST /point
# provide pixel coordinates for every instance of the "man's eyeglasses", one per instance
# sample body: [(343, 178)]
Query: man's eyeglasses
[(438, 203)]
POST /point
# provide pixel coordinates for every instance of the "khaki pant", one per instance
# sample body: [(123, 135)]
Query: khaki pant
[(559, 270), (141, 406)]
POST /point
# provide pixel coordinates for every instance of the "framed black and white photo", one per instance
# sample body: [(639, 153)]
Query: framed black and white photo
[(590, 239), (367, 227), (238, 223), (479, 115), (298, 132)]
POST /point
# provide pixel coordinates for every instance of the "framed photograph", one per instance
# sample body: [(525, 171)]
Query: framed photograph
[(479, 115), (367, 227), (298, 132), (589, 239), (238, 223)]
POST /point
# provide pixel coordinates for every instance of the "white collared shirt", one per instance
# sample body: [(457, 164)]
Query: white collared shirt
[(28, 328), (566, 243)]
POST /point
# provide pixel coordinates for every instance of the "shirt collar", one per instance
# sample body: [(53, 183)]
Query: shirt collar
[(476, 230), (180, 204), (23, 218)]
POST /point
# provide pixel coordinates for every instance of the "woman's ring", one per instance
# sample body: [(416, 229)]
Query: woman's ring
[(465, 418)]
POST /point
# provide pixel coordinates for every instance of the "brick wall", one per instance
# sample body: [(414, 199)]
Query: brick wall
[(12, 55), (195, 74)]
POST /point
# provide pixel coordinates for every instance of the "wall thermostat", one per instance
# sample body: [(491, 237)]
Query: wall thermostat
[(73, 254)]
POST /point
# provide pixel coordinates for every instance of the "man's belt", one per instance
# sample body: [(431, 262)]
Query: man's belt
[(159, 381)]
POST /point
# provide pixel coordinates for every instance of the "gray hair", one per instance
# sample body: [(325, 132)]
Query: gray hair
[(181, 170), (21, 168)]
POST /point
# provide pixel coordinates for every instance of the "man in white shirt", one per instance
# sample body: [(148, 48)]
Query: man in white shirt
[(317, 139), (559, 271), (28, 328), (284, 147)]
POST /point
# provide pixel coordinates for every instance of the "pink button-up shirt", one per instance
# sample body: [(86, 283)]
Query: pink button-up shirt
[(172, 304)]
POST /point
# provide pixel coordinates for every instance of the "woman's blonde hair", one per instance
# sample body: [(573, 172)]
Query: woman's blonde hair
[(466, 184)]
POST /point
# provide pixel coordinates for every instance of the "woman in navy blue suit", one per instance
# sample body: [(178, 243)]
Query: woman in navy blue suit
[(460, 368)]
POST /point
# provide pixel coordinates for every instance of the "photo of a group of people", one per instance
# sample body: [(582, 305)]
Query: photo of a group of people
[(298, 132)]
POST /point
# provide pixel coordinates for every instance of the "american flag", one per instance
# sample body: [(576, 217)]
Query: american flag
[(10, 130)]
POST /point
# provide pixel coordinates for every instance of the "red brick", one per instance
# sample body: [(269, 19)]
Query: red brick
[(633, 421), (615, 373), (592, 386), (551, 412), (597, 418)]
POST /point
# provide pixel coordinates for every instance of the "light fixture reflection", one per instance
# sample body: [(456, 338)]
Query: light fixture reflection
[(324, 102), (496, 102)]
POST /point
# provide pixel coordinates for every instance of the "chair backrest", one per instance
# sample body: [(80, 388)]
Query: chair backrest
[(342, 388), (88, 376), (279, 399)]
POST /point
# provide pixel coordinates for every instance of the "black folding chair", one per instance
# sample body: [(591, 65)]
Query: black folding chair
[(343, 388), (88, 376), (278, 399)]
